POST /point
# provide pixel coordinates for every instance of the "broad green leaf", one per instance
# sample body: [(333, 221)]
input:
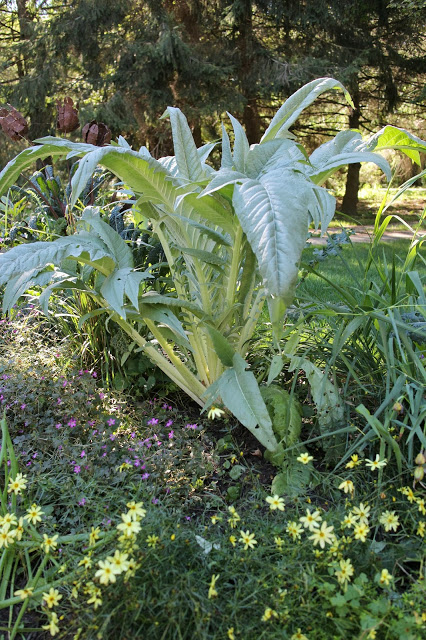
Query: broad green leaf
[(240, 394), (399, 139), (227, 160), (204, 151), (275, 369), (294, 106), (18, 285), (210, 209), (241, 145), (222, 178), (221, 345), (204, 256), (112, 290), (279, 152), (115, 243), (155, 298), (163, 315), (132, 285), (205, 230), (187, 159), (274, 216)]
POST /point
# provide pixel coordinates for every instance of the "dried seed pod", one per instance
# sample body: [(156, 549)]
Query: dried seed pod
[(96, 133), (420, 459), (13, 123), (67, 119)]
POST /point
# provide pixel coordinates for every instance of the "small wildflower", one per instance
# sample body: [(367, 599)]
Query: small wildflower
[(52, 627), (275, 502), (361, 531), (119, 561), (279, 542), (52, 597), (8, 520), (304, 458), (106, 572), (34, 514), (234, 519), (6, 537), (323, 536), (349, 521), (345, 572), (93, 536), (49, 543), (269, 614), (311, 520), (19, 529), (215, 519), (362, 512), (247, 539), (135, 510), (421, 505), (298, 636), (128, 526), (389, 520), (212, 587), (421, 529), (85, 562), (385, 577), (24, 593), (215, 413), (376, 463), (152, 541), (294, 530), (18, 484), (232, 540), (347, 486), (230, 633), (354, 462)]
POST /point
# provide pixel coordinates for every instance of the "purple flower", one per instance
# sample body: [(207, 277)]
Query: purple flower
[(153, 421), (72, 423), (58, 425), (77, 468), (191, 426), (101, 395), (110, 422), (155, 501), (169, 423), (82, 454), (144, 476), (171, 434), (94, 374), (133, 435), (82, 502), (23, 406), (112, 437), (59, 401)]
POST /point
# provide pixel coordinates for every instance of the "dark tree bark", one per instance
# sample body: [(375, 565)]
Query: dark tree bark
[(350, 199)]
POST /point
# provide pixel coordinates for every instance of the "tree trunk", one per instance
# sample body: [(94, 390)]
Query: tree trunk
[(350, 199)]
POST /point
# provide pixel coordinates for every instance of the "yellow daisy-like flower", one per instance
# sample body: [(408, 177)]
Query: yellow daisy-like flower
[(389, 520), (294, 529), (247, 539), (347, 486), (119, 561), (230, 633), (298, 636), (52, 597), (212, 587), (18, 484), (234, 519), (305, 458), (93, 536), (24, 593), (269, 614), (215, 413), (421, 529), (376, 464), (49, 543), (135, 510), (85, 562), (152, 541), (323, 536), (349, 521), (232, 540), (362, 512), (19, 531), (215, 519), (8, 520), (52, 627), (275, 502), (422, 505), (128, 526), (34, 514), (311, 520), (361, 531), (106, 572), (95, 599), (354, 462), (7, 536), (345, 572), (279, 542)]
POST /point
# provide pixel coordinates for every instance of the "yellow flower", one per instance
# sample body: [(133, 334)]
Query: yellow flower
[(215, 519), (212, 587), (34, 514), (234, 519), (298, 636), (128, 526), (95, 599), (385, 577), (49, 543), (323, 536), (53, 624), (52, 597), (18, 484), (376, 463), (19, 529), (86, 562), (152, 541), (119, 561), (275, 502), (215, 413), (389, 520), (354, 462), (279, 542), (232, 540), (135, 510), (361, 531), (311, 520), (422, 505), (421, 529), (345, 572), (106, 572), (93, 536), (349, 521), (304, 458), (294, 529), (347, 486), (230, 633), (7, 521), (372, 634), (6, 537), (269, 613), (247, 539), (24, 593), (362, 512)]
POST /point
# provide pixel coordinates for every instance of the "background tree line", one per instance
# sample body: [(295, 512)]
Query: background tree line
[(124, 61)]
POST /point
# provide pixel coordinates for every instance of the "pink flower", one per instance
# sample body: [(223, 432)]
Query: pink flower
[(58, 425), (82, 502), (94, 374), (82, 454), (110, 422), (23, 406), (153, 421), (112, 437), (144, 476), (169, 423), (72, 423), (171, 434), (77, 468), (59, 401), (101, 395)]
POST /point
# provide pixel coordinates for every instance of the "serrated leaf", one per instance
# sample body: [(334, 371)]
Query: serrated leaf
[(294, 105), (399, 139), (187, 159), (115, 243), (240, 394), (112, 290), (132, 285)]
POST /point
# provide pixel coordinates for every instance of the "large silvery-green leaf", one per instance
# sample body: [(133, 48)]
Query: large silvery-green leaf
[(241, 145), (120, 251), (187, 159), (273, 213), (400, 140), (240, 393), (293, 106)]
